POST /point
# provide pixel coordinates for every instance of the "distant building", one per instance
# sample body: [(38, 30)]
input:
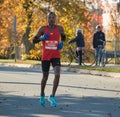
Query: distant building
[(110, 8)]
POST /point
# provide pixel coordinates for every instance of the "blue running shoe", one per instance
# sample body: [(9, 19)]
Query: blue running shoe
[(42, 100), (52, 101)]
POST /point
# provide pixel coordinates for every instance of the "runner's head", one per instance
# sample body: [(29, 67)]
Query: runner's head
[(51, 17)]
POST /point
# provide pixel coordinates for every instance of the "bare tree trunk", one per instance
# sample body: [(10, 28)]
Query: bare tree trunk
[(25, 38), (26, 42)]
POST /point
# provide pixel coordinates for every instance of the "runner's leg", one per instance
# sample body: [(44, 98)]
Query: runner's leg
[(43, 82), (56, 79), (45, 69), (56, 65)]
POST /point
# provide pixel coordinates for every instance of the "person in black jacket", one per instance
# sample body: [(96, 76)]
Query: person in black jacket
[(98, 41), (79, 39)]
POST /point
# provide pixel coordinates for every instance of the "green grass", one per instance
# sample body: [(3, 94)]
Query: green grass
[(19, 61), (35, 62), (106, 69)]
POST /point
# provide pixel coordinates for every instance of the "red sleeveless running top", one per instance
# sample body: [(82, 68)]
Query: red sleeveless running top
[(49, 49)]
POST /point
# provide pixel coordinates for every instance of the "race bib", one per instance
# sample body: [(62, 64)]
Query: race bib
[(51, 45)]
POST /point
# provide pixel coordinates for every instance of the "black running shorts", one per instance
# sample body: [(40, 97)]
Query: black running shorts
[(46, 64)]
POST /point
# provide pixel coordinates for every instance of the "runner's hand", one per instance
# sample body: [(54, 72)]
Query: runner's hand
[(44, 37), (60, 45)]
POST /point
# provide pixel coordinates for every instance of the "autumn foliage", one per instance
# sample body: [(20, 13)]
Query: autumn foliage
[(31, 14)]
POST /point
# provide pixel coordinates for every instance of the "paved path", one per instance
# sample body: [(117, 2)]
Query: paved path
[(78, 95)]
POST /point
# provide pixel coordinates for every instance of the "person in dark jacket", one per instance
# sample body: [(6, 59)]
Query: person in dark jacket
[(79, 39), (98, 40)]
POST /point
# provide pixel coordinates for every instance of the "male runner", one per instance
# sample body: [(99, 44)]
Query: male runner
[(52, 37)]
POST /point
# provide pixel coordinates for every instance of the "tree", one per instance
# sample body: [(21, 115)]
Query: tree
[(28, 6), (31, 14)]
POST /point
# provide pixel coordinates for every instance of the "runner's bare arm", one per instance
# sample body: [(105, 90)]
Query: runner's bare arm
[(38, 35), (63, 36)]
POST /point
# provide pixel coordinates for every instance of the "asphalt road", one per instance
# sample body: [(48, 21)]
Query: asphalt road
[(78, 95)]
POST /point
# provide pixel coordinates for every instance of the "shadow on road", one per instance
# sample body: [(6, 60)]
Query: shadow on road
[(68, 106)]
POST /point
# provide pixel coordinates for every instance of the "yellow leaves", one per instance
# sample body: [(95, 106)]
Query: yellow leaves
[(64, 9), (32, 14), (63, 20), (4, 43), (35, 54)]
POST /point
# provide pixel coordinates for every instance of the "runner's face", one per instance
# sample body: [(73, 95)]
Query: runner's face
[(51, 19)]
